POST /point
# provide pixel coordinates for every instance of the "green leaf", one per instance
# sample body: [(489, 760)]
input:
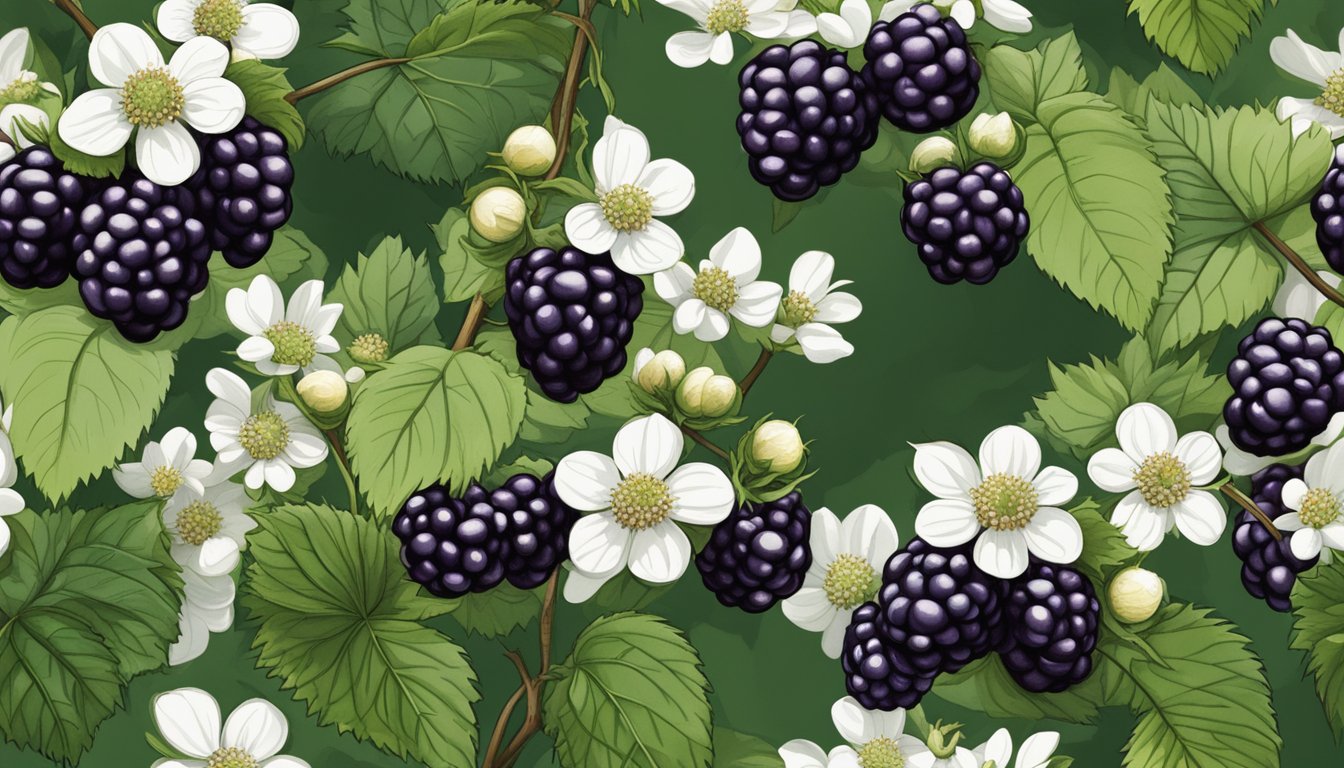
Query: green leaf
[(738, 750), (21, 301), (520, 465), (1100, 210), (473, 75), (292, 259), (986, 686), (545, 420), (1228, 170), (81, 394), (1082, 408), (389, 292), (265, 88), (463, 275), (431, 415), (1164, 84), (344, 634), (377, 26), (499, 611), (630, 694), (1201, 34), (85, 164), (1318, 630), (1104, 545), (89, 600), (1201, 697), (1022, 80)]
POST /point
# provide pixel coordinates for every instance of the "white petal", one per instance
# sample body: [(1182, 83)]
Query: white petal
[(1333, 535), (1200, 453), (11, 503), (801, 753), (999, 748), (278, 474), (1306, 543), (810, 609), (167, 155), (1145, 526), (213, 104), (868, 530), (619, 156), (703, 492), (1001, 553), (199, 58), (839, 307), (13, 52), (811, 274), (660, 554), (175, 20), (675, 284), (1143, 430), (1054, 535), (1303, 60), (650, 250), (1055, 486), (947, 522), (757, 304), (722, 51), (1200, 518), (1291, 521), (713, 327), (134, 480), (822, 344), (257, 727), (849, 28), (268, 32), (1111, 469), (768, 26), (94, 123), (1007, 16), (587, 228), (651, 444), (1037, 750), (1010, 450), (188, 719), (1305, 112), (738, 254), (843, 756), (1324, 470), (304, 302), (193, 638), (118, 51), (689, 49), (946, 470), (833, 636), (689, 316), (671, 184), (1298, 298), (827, 538), (217, 556), (254, 349), (853, 722), (580, 586), (584, 480), (285, 761), (598, 544), (963, 11)]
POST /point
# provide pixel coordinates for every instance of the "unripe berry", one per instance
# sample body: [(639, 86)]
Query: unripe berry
[(778, 444), (993, 136), (529, 150), (324, 391), (498, 213), (705, 393), (933, 153), (659, 372), (1135, 594)]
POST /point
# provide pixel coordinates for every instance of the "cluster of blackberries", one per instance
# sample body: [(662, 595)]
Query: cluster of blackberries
[(453, 545), (937, 612), (1268, 567), (965, 224), (1327, 207), (759, 554), (140, 250)]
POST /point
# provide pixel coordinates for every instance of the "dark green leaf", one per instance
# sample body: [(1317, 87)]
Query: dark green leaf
[(265, 88), (1318, 630)]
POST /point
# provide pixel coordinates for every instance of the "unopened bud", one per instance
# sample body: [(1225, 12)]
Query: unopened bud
[(705, 393), (529, 150), (778, 444), (1136, 594), (993, 135), (659, 372), (933, 153), (498, 213), (324, 391)]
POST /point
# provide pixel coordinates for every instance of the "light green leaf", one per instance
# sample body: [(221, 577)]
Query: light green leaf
[(738, 750), (389, 292), (1318, 629), (985, 685), (498, 611), (1022, 80), (1082, 408), (81, 394), (265, 88), (431, 415), (463, 275), (630, 695), (378, 26), (521, 465), (1104, 545), (21, 301), (1164, 84), (1201, 34), (343, 634)]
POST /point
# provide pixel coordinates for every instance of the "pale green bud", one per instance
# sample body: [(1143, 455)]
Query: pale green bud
[(705, 393), (778, 444), (1136, 594), (993, 135), (324, 391), (659, 372), (933, 153), (529, 150), (498, 213)]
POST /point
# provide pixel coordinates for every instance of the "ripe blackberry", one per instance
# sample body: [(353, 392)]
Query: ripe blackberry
[(141, 256), (451, 546), (536, 538), (1328, 210), (939, 608), (244, 190), (922, 70), (39, 208), (806, 117), (966, 224), (1052, 614), (877, 674), (1287, 381), (571, 313), (759, 554), (1268, 568)]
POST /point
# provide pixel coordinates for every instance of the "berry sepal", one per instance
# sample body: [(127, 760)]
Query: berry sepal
[(755, 479)]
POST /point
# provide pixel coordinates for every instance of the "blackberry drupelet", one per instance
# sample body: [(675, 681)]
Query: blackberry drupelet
[(1327, 207), (1268, 567), (806, 117), (1287, 382), (40, 203), (877, 674), (140, 256), (1052, 613), (536, 538), (759, 554), (921, 69), (571, 313), (243, 187), (451, 546), (966, 224)]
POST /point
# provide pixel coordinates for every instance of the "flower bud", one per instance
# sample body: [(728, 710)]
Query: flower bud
[(497, 214), (324, 391), (933, 153), (1135, 594), (993, 135), (660, 372), (529, 150), (778, 444), (369, 348), (705, 393)]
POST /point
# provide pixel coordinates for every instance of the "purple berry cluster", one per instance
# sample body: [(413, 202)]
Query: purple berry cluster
[(1327, 207), (1051, 613), (39, 208), (966, 224), (922, 69), (1268, 567), (243, 187), (759, 554)]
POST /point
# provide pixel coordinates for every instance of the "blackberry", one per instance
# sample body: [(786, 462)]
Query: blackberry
[(1287, 381), (921, 69), (536, 538), (1268, 567), (1327, 207), (243, 187), (966, 224), (39, 208), (759, 554), (1052, 615), (141, 256), (939, 608), (571, 313), (877, 674), (806, 117), (451, 546)]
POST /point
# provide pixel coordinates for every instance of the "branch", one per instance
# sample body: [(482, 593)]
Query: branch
[(1247, 503), (497, 736), (340, 77), (1299, 263), (72, 9), (531, 688), (471, 324), (756, 370), (704, 441)]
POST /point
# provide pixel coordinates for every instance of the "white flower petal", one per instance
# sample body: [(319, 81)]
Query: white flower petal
[(13, 51), (1010, 450), (188, 719), (1303, 60), (167, 155), (11, 503), (1037, 750), (268, 32), (580, 586), (868, 531), (218, 555), (1324, 469), (671, 184), (1306, 543), (822, 344), (94, 123), (1143, 526), (587, 229), (278, 474), (256, 727), (838, 307), (1001, 553), (619, 156), (738, 254), (213, 105), (1201, 455), (1333, 535), (118, 51), (833, 636), (800, 753), (827, 538), (947, 522), (757, 304), (584, 480), (651, 444), (1009, 17), (175, 20), (713, 327), (689, 316), (1304, 112), (285, 761), (598, 544), (199, 58), (722, 51), (999, 748), (1200, 518), (963, 12), (1055, 486), (675, 284), (945, 469), (810, 609), (811, 274), (853, 722), (660, 554), (689, 49), (12, 117), (1054, 535), (1143, 430), (134, 480), (650, 250), (1111, 469), (1299, 298), (703, 492)]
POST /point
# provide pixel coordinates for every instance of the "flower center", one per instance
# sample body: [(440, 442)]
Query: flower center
[(23, 89), (641, 501), (726, 16), (198, 521), (881, 752), (165, 480), (264, 435), (715, 287), (1319, 508), (798, 309), (1163, 480), (152, 98), (294, 344), (1332, 98), (230, 757), (848, 582), (220, 19), (628, 208), (1004, 502), (369, 348)]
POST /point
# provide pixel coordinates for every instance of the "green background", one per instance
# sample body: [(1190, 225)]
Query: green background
[(932, 362)]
